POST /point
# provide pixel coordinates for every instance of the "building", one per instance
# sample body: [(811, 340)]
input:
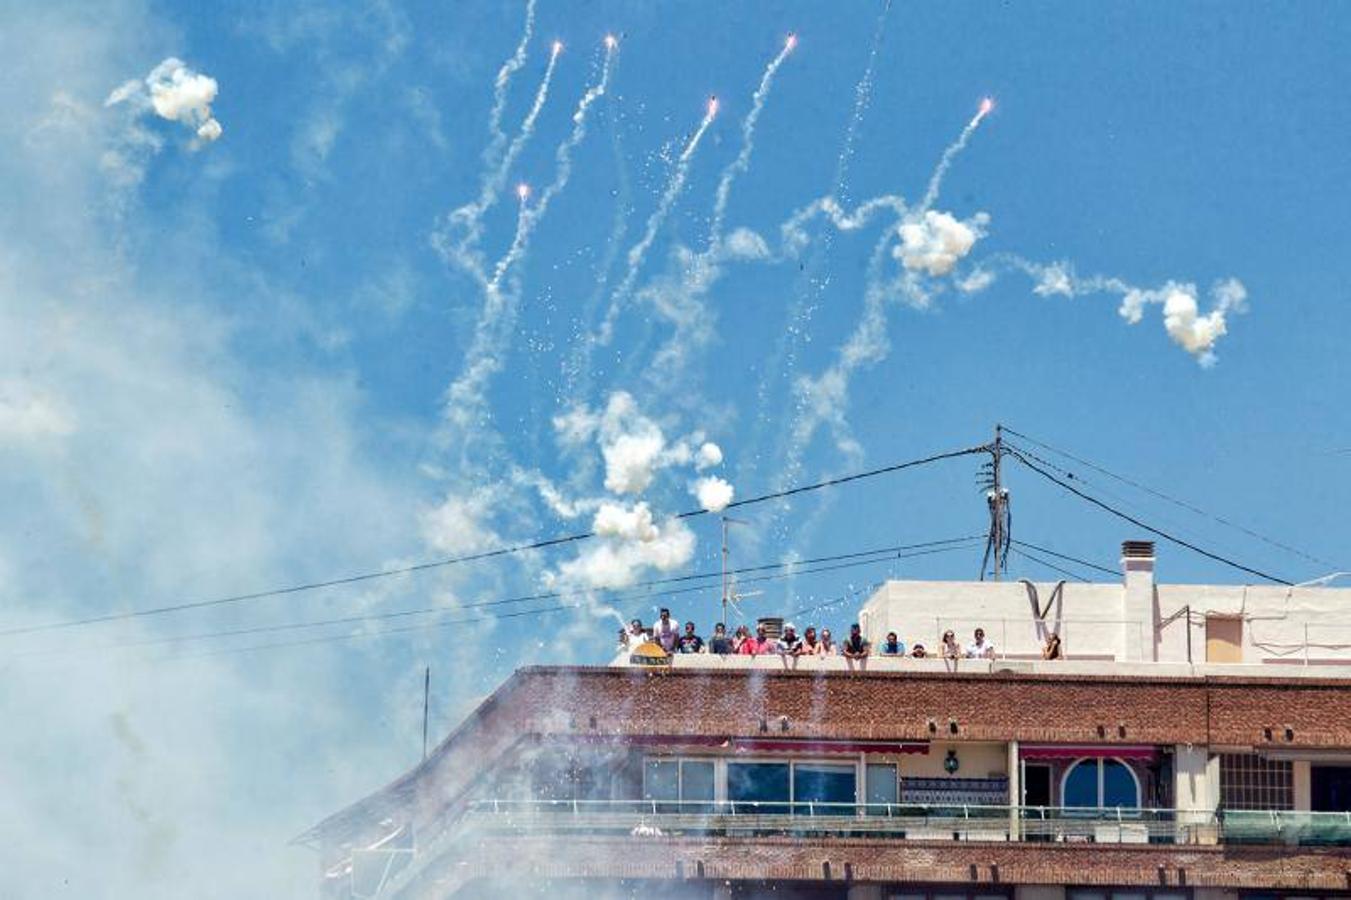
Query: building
[(1193, 742)]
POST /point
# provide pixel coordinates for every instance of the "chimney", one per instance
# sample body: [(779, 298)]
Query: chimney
[(1138, 629)]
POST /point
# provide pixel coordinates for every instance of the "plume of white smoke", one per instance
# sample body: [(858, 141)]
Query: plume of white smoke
[(712, 492), (950, 154), (512, 65), (936, 241), (465, 223), (630, 537), (176, 93), (497, 319), (638, 252), (634, 544), (1185, 324), (743, 158), (707, 456)]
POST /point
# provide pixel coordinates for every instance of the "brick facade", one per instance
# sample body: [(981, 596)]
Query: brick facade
[(615, 702)]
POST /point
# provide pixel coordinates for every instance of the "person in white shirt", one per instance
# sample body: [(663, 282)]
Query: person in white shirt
[(980, 648), (666, 632)]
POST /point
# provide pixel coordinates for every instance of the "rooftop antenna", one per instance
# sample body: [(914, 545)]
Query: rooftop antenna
[(997, 499), (726, 576)]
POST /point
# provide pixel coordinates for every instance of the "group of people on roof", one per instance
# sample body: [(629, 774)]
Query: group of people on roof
[(673, 639)]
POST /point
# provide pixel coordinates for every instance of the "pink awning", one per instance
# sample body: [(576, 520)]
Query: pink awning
[(1092, 751)]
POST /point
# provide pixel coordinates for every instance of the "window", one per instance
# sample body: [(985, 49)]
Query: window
[(1131, 894), (1247, 781), (827, 784), (1103, 783), (690, 780), (761, 783), (883, 789)]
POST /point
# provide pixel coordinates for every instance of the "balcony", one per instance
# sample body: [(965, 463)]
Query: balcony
[(901, 821)]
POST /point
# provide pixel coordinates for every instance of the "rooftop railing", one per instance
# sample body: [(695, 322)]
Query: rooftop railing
[(907, 821)]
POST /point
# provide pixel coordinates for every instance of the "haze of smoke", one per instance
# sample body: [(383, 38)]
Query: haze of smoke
[(510, 67), (176, 93), (638, 252), (1185, 325)]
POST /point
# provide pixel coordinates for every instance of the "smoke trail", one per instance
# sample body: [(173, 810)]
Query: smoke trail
[(509, 68), (783, 362), (469, 218), (743, 159), (638, 251), (1185, 324), (957, 146), (562, 168), (497, 319)]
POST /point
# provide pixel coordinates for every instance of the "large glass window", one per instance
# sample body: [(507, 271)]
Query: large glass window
[(696, 784), (1100, 783), (765, 784), (883, 789), (832, 785)]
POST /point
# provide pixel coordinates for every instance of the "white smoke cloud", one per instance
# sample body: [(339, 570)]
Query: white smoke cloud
[(708, 456), (937, 241), (631, 523), (176, 93), (633, 544), (459, 524), (633, 446), (713, 493)]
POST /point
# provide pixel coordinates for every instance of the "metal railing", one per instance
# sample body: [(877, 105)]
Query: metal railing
[(894, 820), (908, 821)]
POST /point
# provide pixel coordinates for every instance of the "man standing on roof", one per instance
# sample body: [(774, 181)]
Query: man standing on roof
[(666, 632)]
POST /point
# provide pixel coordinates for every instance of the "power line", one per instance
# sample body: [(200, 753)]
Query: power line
[(1183, 504), (853, 560), (1134, 521), (1049, 565), (471, 557), (1068, 558)]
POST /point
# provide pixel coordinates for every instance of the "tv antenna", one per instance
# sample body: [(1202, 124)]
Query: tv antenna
[(727, 590)]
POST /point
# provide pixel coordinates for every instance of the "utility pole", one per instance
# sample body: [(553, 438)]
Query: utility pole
[(1000, 501), (997, 499)]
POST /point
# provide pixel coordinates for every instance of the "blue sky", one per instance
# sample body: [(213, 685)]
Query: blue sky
[(227, 366)]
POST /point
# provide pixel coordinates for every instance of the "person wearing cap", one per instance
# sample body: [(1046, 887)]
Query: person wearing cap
[(918, 652), (788, 644)]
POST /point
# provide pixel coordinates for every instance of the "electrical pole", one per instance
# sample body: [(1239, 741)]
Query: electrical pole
[(724, 573), (997, 499), (1000, 500)]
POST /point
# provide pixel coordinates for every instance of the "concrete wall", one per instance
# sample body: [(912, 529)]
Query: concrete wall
[(1109, 620)]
